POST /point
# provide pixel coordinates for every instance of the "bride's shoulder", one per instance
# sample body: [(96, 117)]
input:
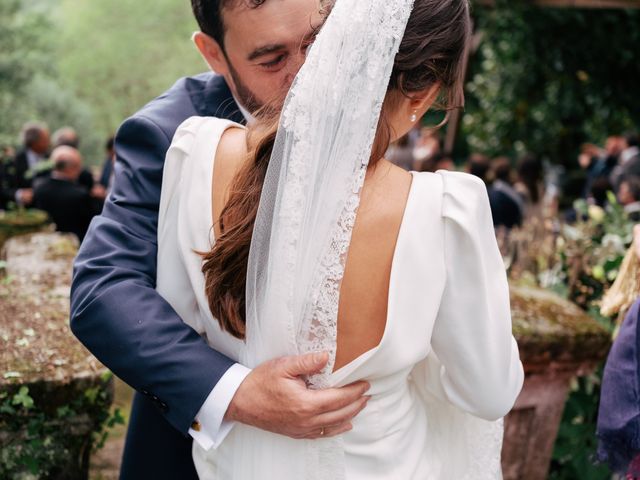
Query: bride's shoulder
[(201, 132), (460, 194), (465, 199)]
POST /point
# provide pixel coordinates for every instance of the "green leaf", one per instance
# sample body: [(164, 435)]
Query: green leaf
[(22, 398)]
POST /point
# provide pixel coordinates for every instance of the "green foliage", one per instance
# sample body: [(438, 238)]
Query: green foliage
[(120, 54), (89, 65), (548, 79), (23, 53), (573, 456), (38, 443), (22, 398)]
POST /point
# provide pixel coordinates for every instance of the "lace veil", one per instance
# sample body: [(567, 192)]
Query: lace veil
[(306, 214)]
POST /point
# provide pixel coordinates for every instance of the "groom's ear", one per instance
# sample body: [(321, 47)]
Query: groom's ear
[(212, 53)]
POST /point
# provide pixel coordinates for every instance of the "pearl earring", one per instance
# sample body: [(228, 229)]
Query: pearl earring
[(414, 116)]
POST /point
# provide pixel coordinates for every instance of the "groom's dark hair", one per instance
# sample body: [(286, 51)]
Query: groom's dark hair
[(209, 15)]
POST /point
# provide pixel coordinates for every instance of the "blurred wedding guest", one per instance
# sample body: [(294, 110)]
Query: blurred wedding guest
[(614, 146), (65, 136), (106, 176), (68, 137), (629, 197), (628, 160), (68, 204), (18, 173), (631, 148), (591, 160), (400, 153), (480, 166), (507, 206), (599, 190), (427, 146), (530, 181), (6, 156), (443, 162)]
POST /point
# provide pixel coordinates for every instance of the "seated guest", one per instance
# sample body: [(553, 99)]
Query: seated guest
[(629, 197), (68, 137), (507, 206), (68, 204), (19, 173)]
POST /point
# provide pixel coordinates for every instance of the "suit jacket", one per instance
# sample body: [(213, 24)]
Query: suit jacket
[(14, 176), (115, 309), (105, 175), (506, 208), (68, 204)]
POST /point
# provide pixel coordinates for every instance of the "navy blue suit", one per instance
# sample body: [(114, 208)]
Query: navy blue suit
[(115, 309)]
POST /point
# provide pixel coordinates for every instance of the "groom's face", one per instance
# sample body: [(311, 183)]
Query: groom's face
[(264, 47)]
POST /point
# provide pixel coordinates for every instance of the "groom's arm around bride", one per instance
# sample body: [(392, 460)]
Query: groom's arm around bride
[(119, 316)]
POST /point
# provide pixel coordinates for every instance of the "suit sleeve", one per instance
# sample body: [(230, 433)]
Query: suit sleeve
[(115, 309)]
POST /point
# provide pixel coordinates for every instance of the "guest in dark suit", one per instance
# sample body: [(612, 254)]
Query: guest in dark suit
[(185, 389), (68, 204), (67, 136), (6, 157), (507, 206), (19, 173)]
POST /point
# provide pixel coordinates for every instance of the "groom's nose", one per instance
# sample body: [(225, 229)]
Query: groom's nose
[(293, 67)]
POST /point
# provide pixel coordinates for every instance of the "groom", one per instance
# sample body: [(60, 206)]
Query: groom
[(186, 390)]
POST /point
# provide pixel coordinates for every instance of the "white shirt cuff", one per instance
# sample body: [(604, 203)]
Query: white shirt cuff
[(213, 427)]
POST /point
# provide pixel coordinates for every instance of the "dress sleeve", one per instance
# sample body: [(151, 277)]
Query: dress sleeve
[(480, 369)]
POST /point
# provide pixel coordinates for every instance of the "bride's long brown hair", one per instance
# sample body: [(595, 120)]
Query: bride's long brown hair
[(432, 52)]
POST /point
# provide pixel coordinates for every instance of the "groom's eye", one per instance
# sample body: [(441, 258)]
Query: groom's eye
[(275, 63)]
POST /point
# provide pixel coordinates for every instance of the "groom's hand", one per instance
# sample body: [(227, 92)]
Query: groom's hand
[(273, 397)]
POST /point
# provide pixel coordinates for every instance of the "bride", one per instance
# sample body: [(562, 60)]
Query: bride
[(296, 235)]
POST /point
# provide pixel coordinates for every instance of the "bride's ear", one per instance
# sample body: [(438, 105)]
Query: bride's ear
[(212, 53), (421, 101)]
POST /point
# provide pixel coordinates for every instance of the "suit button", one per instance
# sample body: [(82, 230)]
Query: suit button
[(164, 408), (144, 392)]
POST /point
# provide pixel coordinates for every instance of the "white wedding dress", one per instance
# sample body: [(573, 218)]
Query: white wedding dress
[(447, 345)]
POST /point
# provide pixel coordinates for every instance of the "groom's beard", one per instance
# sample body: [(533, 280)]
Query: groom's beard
[(245, 96)]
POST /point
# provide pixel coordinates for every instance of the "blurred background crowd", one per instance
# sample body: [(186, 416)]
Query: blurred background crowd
[(526, 186), (47, 172)]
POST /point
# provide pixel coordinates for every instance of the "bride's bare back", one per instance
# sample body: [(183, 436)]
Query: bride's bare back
[(364, 292)]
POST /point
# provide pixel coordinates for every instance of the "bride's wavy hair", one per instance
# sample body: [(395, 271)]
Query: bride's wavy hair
[(432, 52)]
